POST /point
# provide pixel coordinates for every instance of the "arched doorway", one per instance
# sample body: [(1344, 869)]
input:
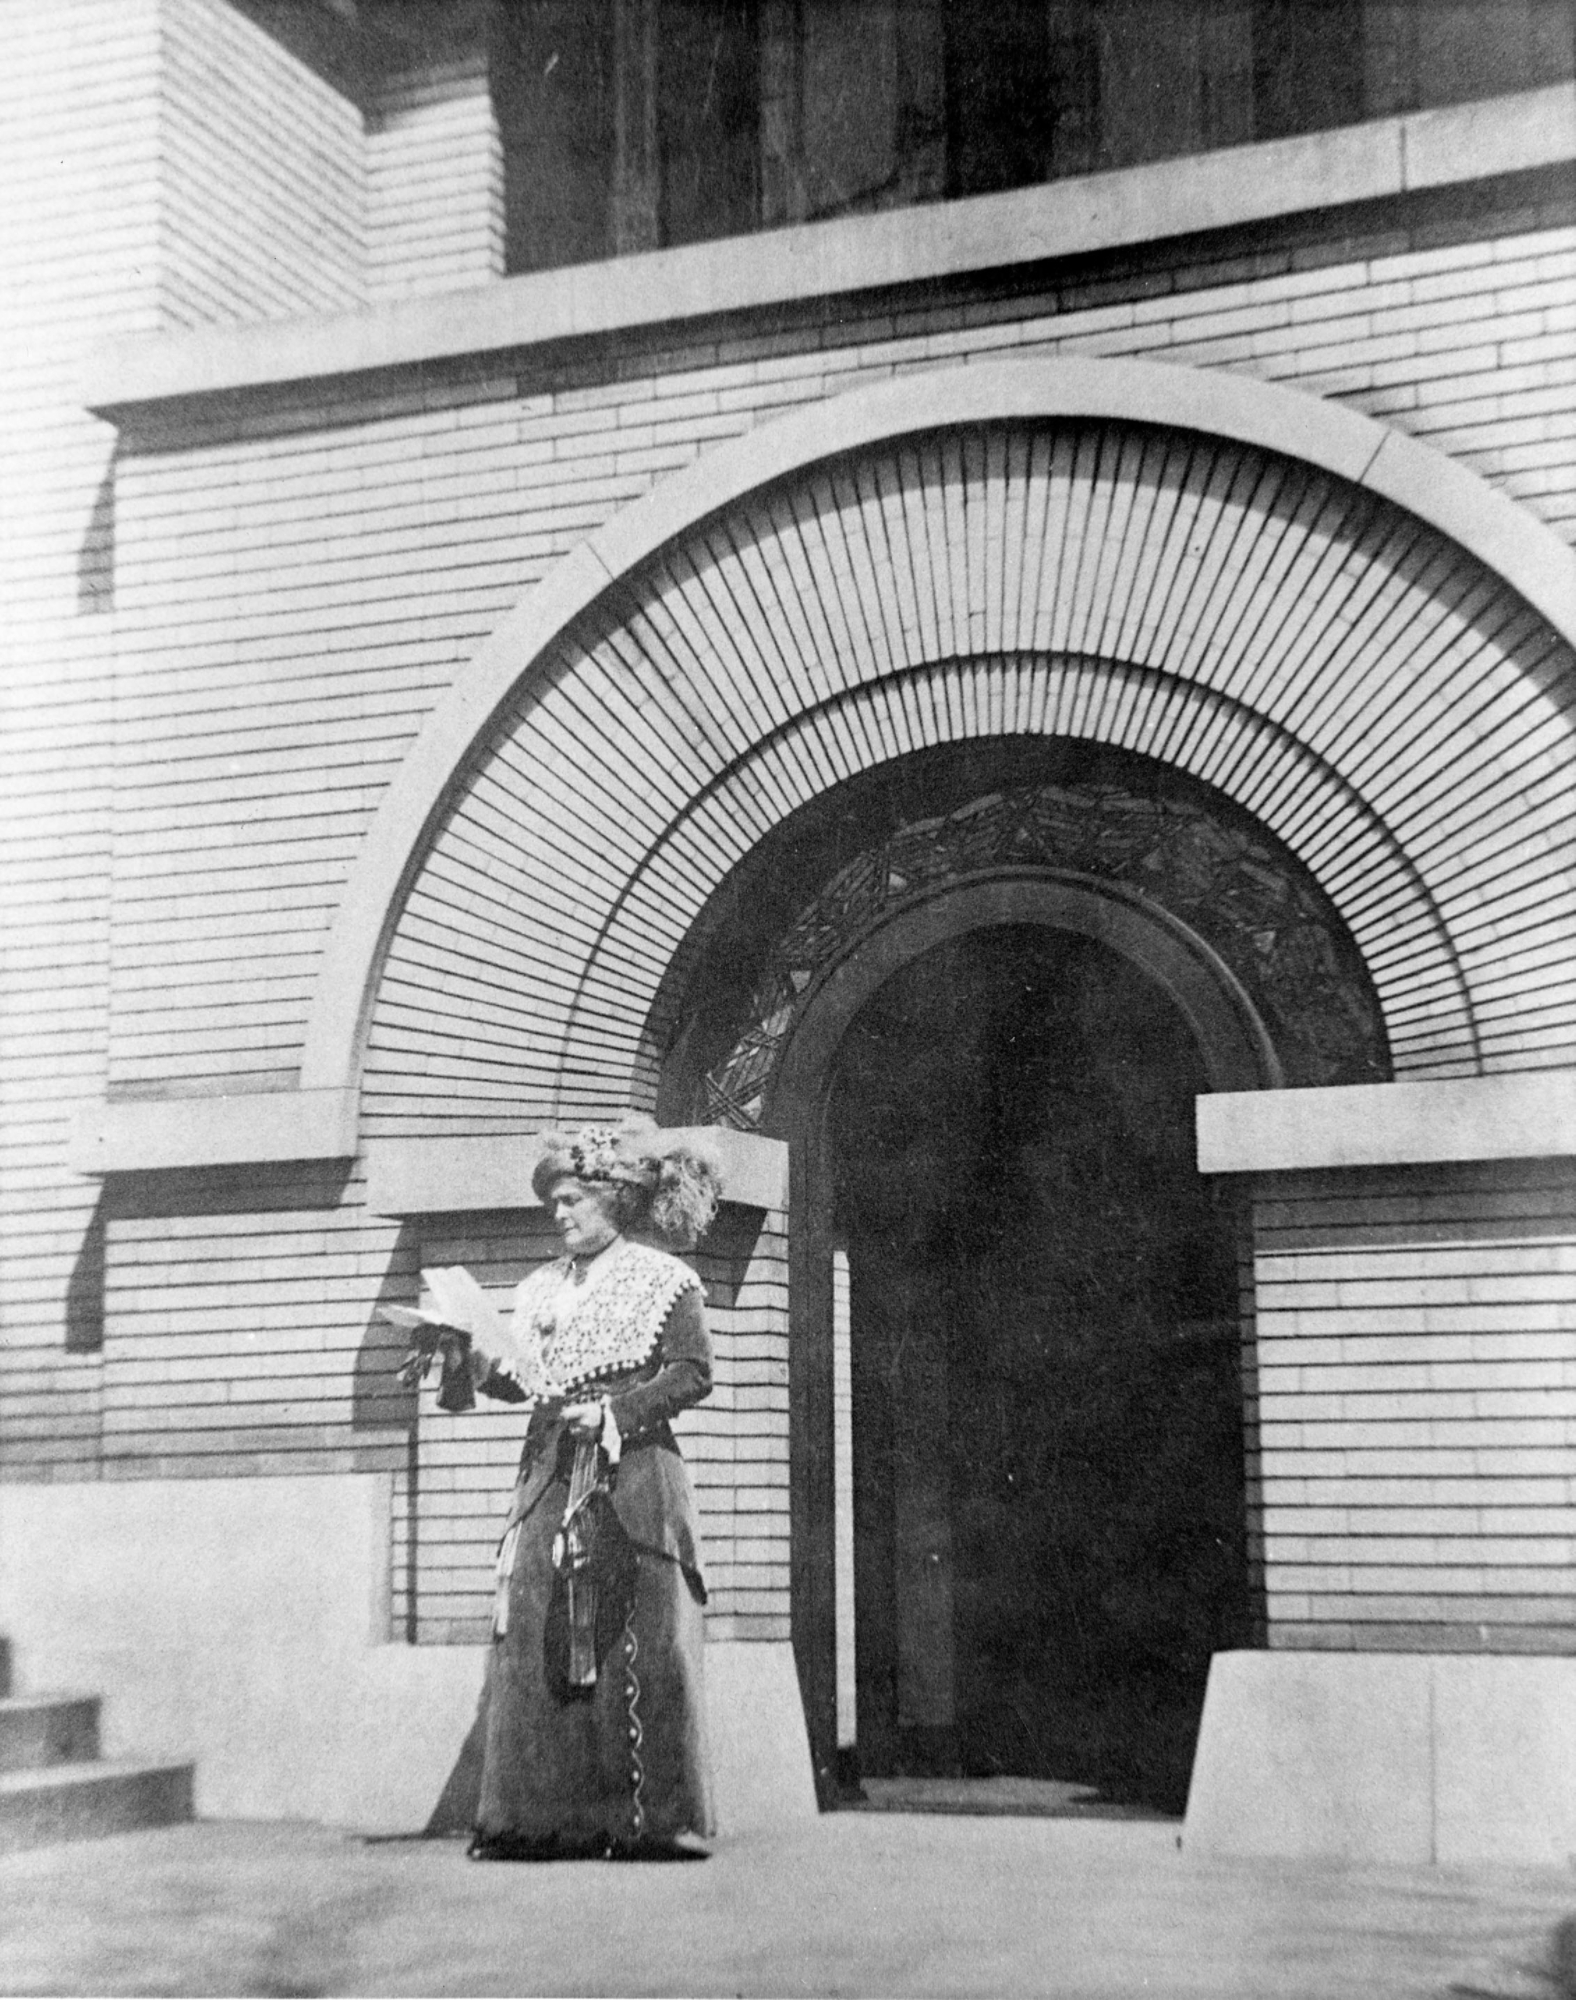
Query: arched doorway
[(1148, 943), (1048, 1524)]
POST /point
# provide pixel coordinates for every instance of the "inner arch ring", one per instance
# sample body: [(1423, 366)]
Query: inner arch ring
[(1236, 1047)]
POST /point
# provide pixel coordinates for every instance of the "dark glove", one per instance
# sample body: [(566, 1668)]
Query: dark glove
[(451, 1349), (457, 1388)]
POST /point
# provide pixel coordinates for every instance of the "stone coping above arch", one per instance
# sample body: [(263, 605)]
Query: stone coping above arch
[(1529, 557)]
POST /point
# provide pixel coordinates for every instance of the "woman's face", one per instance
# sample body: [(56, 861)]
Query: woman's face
[(584, 1217)]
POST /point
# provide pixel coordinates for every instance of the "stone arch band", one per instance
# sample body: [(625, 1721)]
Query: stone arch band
[(1521, 553)]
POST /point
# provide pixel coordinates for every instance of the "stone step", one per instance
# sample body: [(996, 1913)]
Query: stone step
[(43, 1729), (5, 1668), (86, 1801)]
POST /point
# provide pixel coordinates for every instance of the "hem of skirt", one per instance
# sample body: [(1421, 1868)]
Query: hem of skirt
[(513, 1843)]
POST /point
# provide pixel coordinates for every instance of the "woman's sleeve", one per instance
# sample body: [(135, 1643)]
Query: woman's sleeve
[(683, 1378), (497, 1379)]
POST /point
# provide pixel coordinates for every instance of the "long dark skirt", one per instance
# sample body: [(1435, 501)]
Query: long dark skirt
[(624, 1760)]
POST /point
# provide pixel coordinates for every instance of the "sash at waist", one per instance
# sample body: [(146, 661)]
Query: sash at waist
[(659, 1438)]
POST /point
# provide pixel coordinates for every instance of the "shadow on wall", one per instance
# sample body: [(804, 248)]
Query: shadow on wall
[(212, 1191), (96, 557), (379, 1401), (85, 1289), (1562, 1958), (724, 1258)]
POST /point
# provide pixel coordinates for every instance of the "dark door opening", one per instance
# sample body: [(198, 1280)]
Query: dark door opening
[(1048, 1490)]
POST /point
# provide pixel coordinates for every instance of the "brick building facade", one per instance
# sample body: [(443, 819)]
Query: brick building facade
[(440, 687)]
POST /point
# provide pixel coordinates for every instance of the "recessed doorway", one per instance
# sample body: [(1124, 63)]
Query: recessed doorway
[(1045, 1405)]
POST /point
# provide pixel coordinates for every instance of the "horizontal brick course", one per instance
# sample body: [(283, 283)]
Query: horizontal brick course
[(1414, 1480)]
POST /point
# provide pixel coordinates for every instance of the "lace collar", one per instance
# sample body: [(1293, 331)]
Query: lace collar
[(609, 1323)]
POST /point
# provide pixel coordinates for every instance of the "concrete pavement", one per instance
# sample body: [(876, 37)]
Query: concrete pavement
[(850, 1904)]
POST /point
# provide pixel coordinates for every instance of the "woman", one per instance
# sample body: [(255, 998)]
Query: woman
[(594, 1733)]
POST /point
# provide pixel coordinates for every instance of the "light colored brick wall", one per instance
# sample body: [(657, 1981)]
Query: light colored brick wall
[(165, 164), (1252, 1444), (78, 244), (292, 695), (241, 1332), (1416, 1363), (260, 176), (434, 166), (737, 1442)]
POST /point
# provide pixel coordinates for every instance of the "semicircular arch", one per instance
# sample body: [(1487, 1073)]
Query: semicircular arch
[(1397, 926), (1391, 707)]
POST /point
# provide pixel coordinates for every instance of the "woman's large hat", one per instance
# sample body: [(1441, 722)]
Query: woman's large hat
[(678, 1169)]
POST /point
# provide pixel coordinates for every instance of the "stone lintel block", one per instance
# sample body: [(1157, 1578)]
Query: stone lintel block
[(1529, 1114), (146, 1135)]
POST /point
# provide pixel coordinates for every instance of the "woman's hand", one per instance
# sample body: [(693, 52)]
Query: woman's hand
[(584, 1419)]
